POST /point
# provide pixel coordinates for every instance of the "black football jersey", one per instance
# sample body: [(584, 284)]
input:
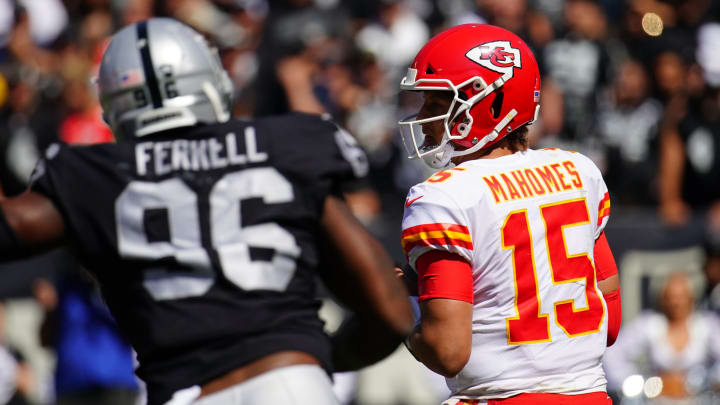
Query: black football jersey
[(205, 239)]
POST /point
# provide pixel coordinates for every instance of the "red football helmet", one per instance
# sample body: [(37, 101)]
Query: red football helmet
[(496, 85)]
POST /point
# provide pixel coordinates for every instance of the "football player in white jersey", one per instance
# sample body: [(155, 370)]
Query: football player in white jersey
[(517, 286)]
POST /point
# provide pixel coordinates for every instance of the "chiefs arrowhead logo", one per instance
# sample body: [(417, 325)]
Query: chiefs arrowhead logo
[(498, 56)]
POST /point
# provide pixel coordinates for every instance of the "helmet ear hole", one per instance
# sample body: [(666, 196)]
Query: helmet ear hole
[(497, 104)]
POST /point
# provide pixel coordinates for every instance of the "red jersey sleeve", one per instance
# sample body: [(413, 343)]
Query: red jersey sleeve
[(604, 261)]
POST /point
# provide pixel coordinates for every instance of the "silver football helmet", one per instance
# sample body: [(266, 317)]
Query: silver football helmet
[(160, 74)]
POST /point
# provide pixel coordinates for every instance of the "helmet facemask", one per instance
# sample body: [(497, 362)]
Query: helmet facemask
[(457, 121)]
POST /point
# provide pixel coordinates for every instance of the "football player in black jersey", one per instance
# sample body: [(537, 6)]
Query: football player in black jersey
[(205, 233)]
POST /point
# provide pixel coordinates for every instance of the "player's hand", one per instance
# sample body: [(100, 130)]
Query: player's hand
[(409, 278)]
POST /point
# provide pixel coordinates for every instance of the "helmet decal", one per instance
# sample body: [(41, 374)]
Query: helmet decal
[(498, 56), (131, 77)]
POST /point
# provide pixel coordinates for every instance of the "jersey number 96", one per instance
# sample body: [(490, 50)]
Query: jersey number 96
[(227, 236)]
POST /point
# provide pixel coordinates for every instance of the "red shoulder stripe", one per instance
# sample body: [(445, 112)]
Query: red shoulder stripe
[(436, 235)]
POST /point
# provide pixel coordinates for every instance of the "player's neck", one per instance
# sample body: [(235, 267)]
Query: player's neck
[(499, 151)]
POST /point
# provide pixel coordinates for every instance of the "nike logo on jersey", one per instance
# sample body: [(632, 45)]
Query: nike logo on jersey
[(408, 202)]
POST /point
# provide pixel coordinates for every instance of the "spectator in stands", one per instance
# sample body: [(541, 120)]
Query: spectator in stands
[(84, 124), (676, 341), (94, 364), (16, 379), (627, 122), (690, 162), (711, 297), (577, 64), (395, 37)]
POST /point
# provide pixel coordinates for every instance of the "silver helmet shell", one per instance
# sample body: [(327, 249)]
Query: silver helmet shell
[(160, 74)]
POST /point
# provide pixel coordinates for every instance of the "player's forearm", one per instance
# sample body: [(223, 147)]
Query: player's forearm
[(609, 285), (360, 273), (367, 284), (440, 354), (29, 224)]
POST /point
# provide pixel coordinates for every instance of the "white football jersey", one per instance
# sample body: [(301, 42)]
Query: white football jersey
[(527, 224)]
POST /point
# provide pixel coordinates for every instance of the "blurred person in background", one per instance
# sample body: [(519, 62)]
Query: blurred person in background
[(16, 378), (28, 123), (176, 270), (35, 29), (689, 166), (293, 29), (84, 124), (627, 123), (394, 38), (678, 343), (510, 15), (241, 60), (711, 297), (577, 64), (94, 363), (672, 84), (18, 142)]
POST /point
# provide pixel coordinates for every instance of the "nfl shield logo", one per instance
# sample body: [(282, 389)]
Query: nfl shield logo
[(536, 96)]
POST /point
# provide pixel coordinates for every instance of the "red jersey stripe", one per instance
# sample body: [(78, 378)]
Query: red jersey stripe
[(435, 227), (604, 208), (446, 241)]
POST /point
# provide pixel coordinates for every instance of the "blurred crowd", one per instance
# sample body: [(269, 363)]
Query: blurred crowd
[(633, 84)]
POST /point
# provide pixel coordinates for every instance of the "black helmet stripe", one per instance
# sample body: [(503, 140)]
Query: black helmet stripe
[(150, 78)]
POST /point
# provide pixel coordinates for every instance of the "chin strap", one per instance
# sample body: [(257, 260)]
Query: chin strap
[(220, 113), (441, 158), (493, 135)]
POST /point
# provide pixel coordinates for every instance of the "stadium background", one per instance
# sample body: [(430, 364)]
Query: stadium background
[(634, 84)]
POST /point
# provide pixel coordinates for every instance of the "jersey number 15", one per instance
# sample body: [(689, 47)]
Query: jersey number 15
[(529, 325)]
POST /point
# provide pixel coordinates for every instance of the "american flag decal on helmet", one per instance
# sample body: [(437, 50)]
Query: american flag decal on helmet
[(131, 77)]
